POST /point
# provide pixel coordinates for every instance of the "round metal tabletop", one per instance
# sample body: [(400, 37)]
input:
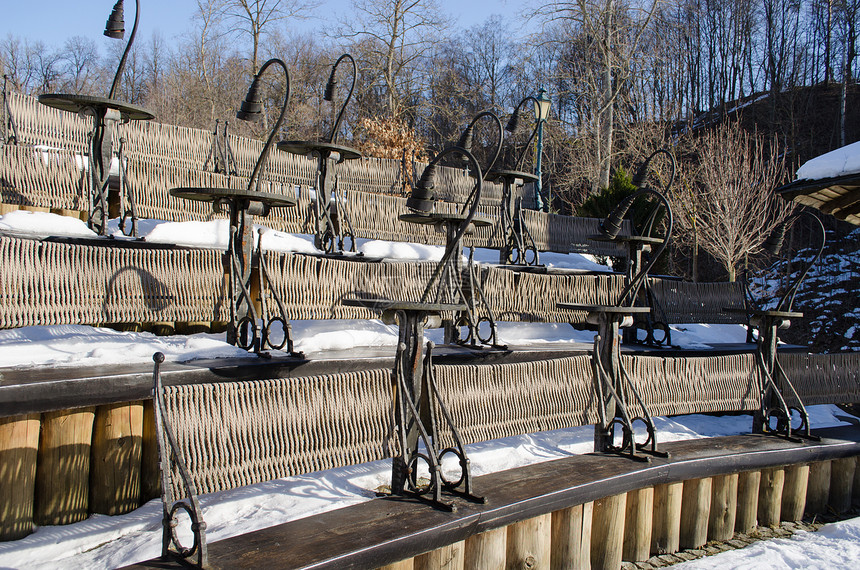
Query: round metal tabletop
[(74, 103), (442, 217), (510, 175), (388, 304), (322, 147), (611, 309), (210, 194)]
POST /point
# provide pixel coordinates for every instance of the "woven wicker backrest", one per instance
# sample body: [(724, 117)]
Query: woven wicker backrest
[(686, 302), (160, 157)]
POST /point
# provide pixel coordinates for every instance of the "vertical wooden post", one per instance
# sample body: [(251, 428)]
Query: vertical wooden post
[(770, 496), (856, 487), (19, 444), (841, 483), (571, 537), (528, 543), (486, 550), (116, 456), (666, 527), (746, 518), (724, 504), (638, 525), (695, 512), (607, 532), (150, 480), (63, 469), (446, 558), (794, 492), (818, 488)]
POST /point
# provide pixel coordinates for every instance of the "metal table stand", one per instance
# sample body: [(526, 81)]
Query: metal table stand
[(520, 247), (416, 399)]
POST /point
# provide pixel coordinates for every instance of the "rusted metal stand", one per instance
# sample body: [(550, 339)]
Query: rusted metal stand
[(613, 383), (333, 230), (169, 455), (773, 382), (519, 248), (105, 114), (459, 284), (416, 400), (636, 247), (242, 205)]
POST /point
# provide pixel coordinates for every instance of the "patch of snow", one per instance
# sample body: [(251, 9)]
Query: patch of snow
[(23, 223), (835, 545), (839, 162)]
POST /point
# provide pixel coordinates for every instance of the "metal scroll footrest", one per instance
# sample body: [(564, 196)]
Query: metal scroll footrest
[(480, 328), (773, 403), (605, 385), (168, 455), (412, 415)]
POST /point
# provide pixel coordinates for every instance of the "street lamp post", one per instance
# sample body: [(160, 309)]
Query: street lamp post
[(542, 104)]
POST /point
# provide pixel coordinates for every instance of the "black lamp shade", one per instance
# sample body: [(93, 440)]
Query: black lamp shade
[(252, 105), (514, 121), (422, 198), (611, 226), (465, 141), (773, 243), (115, 25)]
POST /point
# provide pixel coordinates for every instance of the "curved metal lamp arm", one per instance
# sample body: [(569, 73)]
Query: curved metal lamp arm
[(115, 85), (639, 181), (329, 93), (792, 290), (251, 115), (612, 224), (474, 198), (512, 125), (465, 141)]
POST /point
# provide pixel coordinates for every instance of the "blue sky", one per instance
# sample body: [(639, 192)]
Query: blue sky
[(61, 19)]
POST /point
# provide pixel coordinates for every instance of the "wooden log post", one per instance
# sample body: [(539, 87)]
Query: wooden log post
[(528, 543), (770, 496), (116, 458), (486, 550), (607, 532), (638, 525), (19, 444), (695, 512), (794, 492), (571, 537), (746, 517), (856, 487), (666, 526), (724, 503), (63, 469), (842, 483), (446, 558), (150, 479), (818, 488)]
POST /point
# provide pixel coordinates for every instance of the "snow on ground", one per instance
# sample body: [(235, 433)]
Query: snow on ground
[(839, 162), (107, 542), (835, 545), (102, 541)]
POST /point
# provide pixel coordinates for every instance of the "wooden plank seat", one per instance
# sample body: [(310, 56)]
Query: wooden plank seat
[(382, 532)]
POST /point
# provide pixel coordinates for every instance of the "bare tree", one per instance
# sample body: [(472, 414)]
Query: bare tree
[(730, 201), (611, 32), (394, 35), (256, 17)]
